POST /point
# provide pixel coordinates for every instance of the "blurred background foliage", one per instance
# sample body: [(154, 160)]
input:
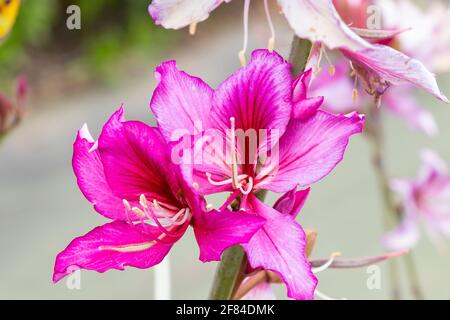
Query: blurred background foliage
[(114, 34)]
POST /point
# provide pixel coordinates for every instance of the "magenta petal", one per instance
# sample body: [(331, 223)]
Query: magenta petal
[(301, 85), (309, 150), (304, 109), (257, 96), (91, 179), (176, 14), (292, 202), (180, 102), (137, 161), (93, 251), (219, 230), (280, 246)]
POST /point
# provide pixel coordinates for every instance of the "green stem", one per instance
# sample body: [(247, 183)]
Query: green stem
[(298, 57), (231, 268), (227, 274), (374, 128)]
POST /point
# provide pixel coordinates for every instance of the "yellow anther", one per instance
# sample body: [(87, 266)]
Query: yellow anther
[(138, 212), (192, 28), (242, 58)]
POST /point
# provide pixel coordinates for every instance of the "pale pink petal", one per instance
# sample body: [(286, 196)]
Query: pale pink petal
[(432, 165), (292, 202), (320, 22), (137, 161), (401, 102), (219, 230), (181, 103), (405, 236), (91, 180), (262, 291), (280, 247), (396, 68), (308, 151), (176, 14), (112, 246)]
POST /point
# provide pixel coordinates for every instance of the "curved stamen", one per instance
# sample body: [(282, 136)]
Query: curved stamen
[(187, 215), (327, 264), (244, 46), (271, 43), (218, 183), (127, 206)]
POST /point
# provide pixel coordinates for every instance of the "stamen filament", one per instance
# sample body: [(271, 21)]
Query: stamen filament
[(327, 264), (234, 170), (332, 69), (271, 43), (244, 46)]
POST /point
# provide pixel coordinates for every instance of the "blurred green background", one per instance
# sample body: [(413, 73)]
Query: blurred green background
[(84, 75)]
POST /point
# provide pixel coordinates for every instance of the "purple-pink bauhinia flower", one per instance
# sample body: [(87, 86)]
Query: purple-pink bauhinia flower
[(299, 145), (426, 199), (129, 177), (319, 22)]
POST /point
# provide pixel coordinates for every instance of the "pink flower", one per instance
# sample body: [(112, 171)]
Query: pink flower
[(319, 22), (222, 149), (338, 91), (129, 178), (425, 199), (428, 25)]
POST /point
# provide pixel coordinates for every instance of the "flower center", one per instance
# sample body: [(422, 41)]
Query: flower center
[(243, 182), (156, 215)]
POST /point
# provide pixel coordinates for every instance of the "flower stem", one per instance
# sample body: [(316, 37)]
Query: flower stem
[(374, 129), (231, 269)]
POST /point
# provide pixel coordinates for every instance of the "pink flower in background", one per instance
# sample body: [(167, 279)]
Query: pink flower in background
[(318, 21), (425, 199), (262, 97), (129, 177), (429, 25)]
